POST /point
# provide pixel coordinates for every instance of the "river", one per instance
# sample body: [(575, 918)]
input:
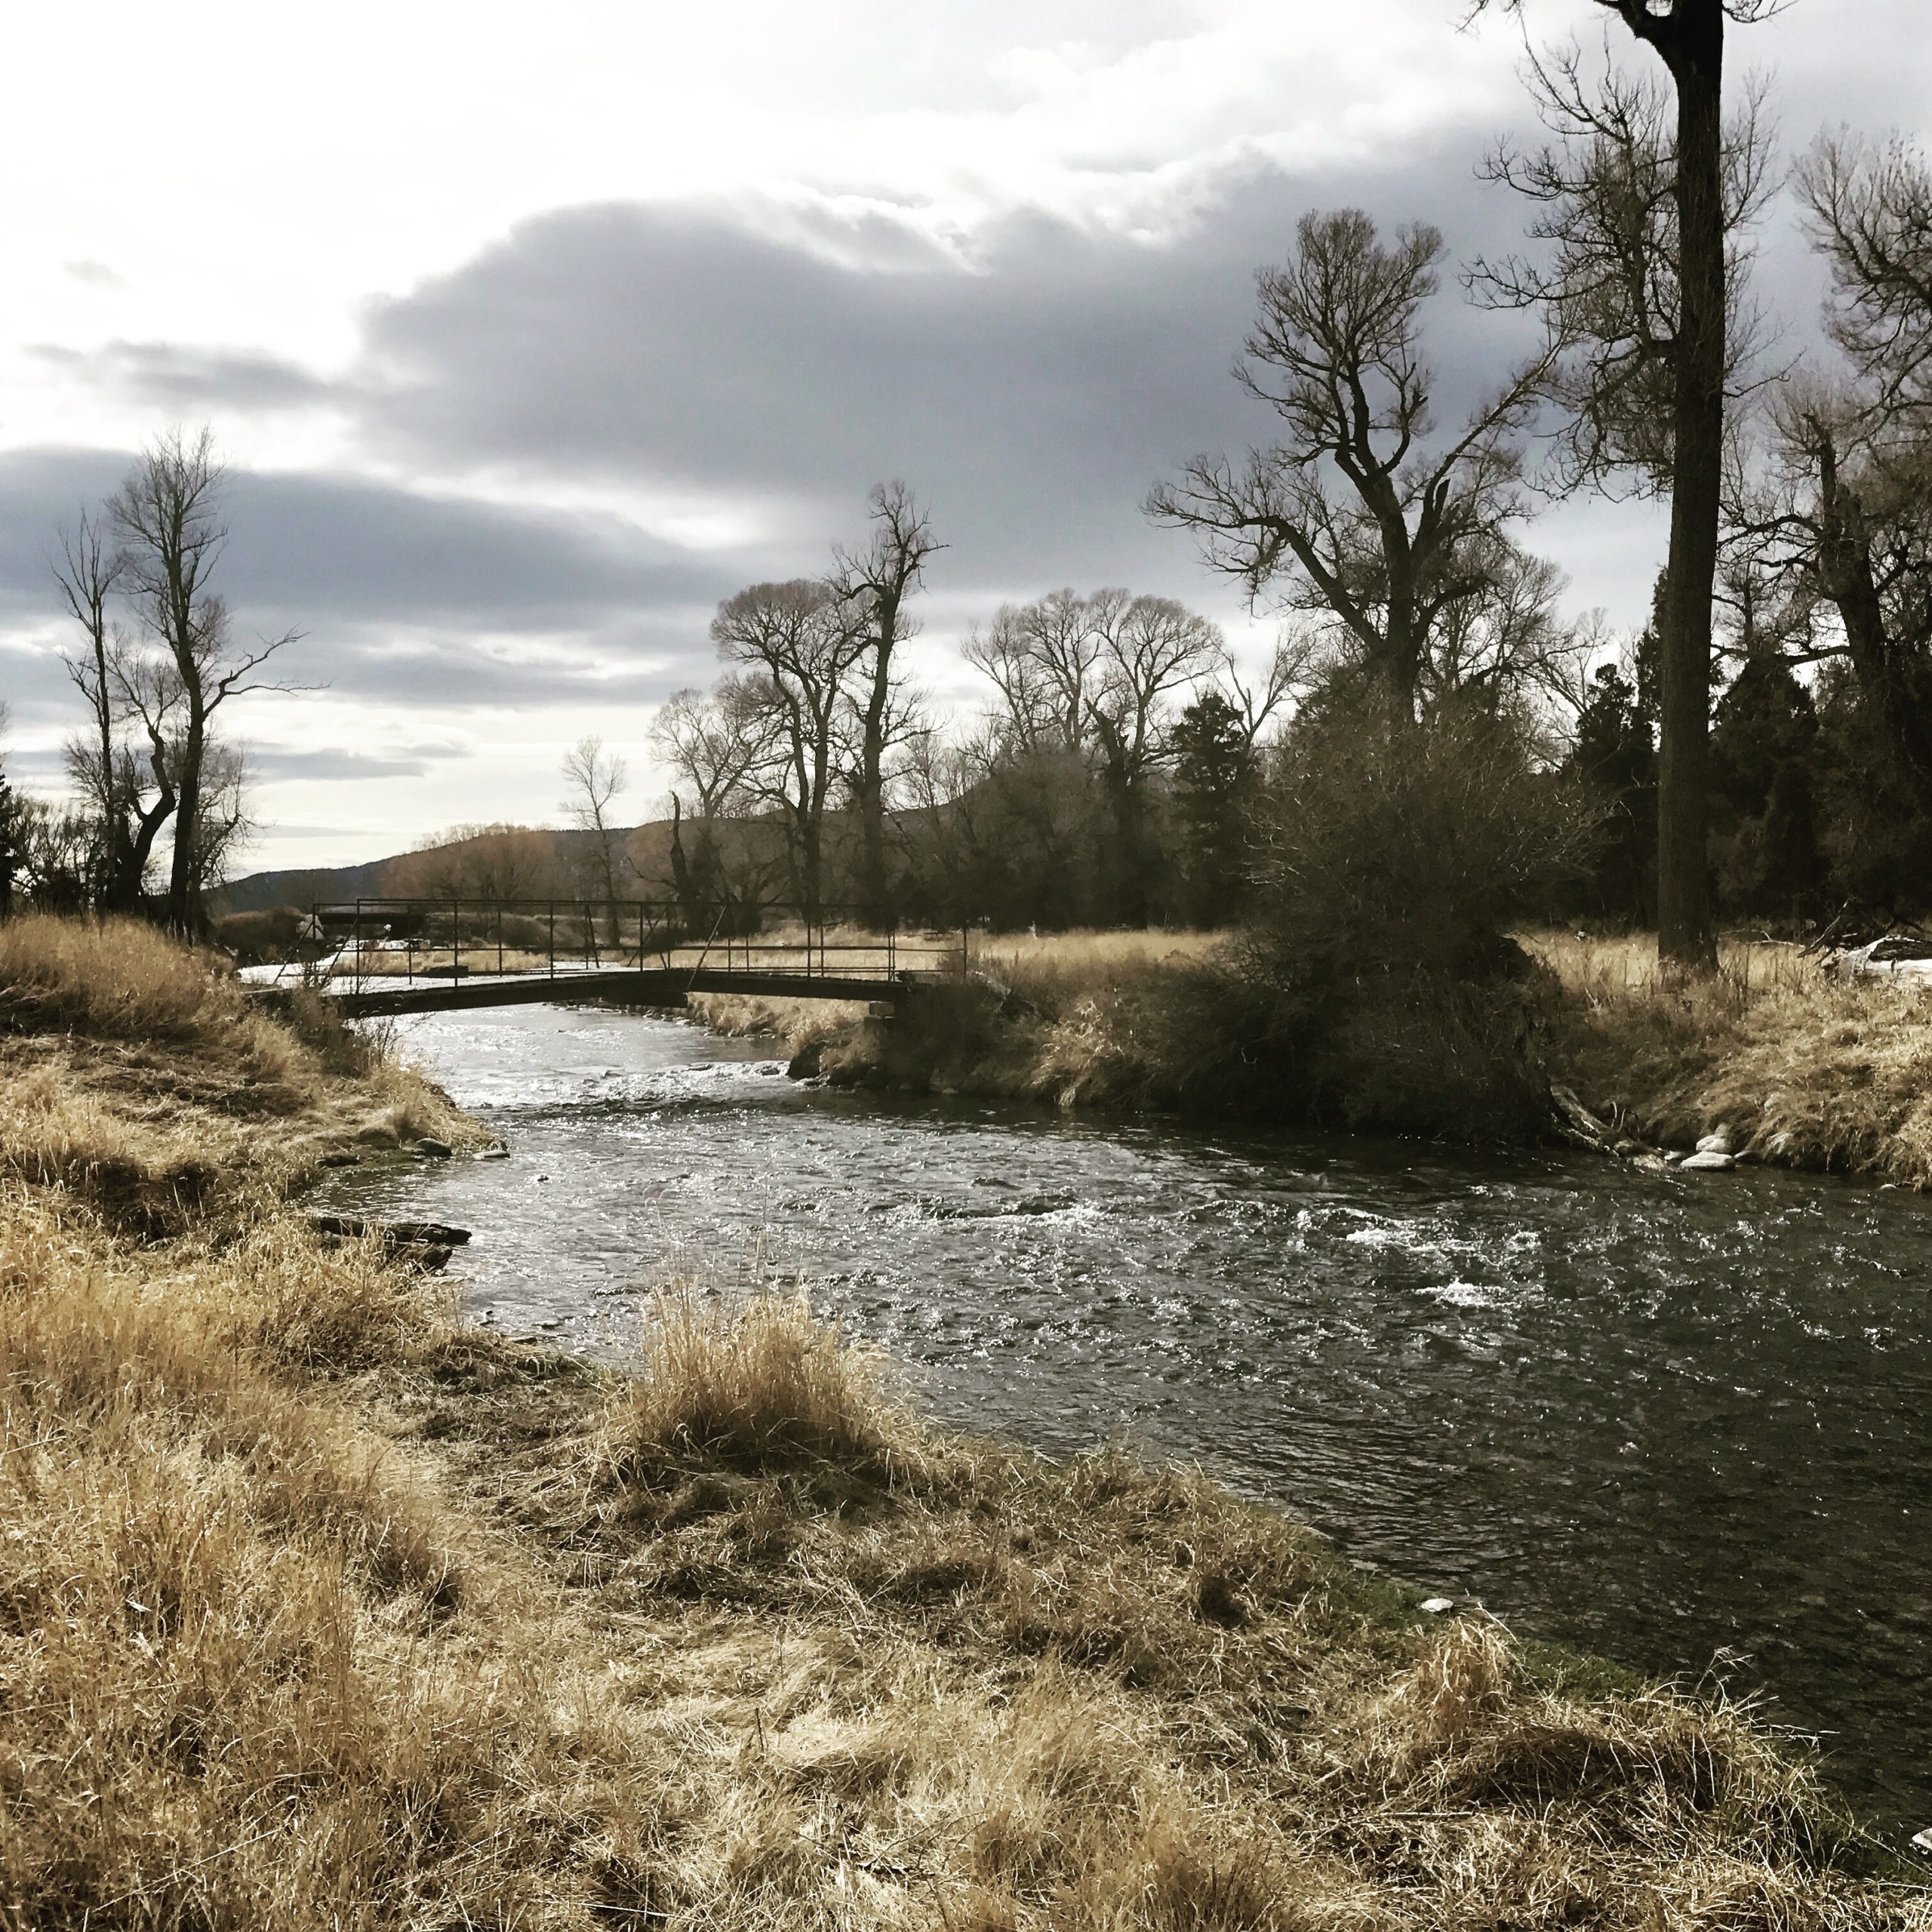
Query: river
[(1677, 1421)]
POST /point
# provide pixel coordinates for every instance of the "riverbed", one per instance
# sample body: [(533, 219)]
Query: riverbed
[(1682, 1422)]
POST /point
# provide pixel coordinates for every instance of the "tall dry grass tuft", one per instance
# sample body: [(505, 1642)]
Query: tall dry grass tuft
[(213, 1594), (114, 978), (753, 1384)]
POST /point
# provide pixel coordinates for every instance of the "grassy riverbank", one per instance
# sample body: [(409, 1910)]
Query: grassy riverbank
[(1798, 1068), (318, 1609)]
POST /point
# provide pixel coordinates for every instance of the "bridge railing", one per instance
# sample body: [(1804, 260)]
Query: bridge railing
[(410, 940)]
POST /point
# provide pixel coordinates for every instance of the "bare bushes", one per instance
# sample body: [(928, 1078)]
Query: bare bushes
[(339, 1047), (756, 1384), (1396, 858)]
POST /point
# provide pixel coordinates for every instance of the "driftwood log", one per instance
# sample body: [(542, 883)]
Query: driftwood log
[(426, 1244)]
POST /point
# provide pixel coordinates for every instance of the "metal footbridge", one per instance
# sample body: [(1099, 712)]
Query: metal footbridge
[(372, 957)]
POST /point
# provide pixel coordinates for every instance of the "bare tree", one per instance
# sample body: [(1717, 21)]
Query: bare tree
[(1512, 649), (1871, 209), (1044, 658), (227, 825), (715, 741), (1608, 282), (1688, 37), (129, 791), (1843, 519), (1086, 684), (166, 515), (799, 643), (1153, 648), (1356, 515), (595, 779), (878, 581)]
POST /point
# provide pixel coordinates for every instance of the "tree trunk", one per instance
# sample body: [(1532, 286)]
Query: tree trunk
[(1686, 937), (183, 883), (872, 887)]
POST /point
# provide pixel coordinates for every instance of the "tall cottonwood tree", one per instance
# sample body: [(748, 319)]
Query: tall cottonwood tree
[(128, 792), (1360, 512), (878, 582), (1687, 36), (167, 516), (797, 644)]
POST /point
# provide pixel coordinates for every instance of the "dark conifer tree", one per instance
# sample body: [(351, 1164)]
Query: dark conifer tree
[(1217, 784), (1615, 753)]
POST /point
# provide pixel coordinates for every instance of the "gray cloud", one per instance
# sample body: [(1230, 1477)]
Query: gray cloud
[(335, 547), (640, 664), (392, 585), (183, 378), (414, 762), (1032, 396)]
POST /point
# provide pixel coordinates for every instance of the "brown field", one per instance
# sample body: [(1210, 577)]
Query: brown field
[(318, 1610)]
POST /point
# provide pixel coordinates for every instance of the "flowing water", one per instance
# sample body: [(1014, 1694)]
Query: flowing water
[(1671, 1421)]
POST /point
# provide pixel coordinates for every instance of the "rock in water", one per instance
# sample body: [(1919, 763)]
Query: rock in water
[(1706, 1163), (1718, 1143), (435, 1150)]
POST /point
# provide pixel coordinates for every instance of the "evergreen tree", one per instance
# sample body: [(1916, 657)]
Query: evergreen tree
[(1765, 834), (1616, 755), (1216, 783)]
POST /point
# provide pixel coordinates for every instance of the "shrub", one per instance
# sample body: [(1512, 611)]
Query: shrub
[(1394, 862)]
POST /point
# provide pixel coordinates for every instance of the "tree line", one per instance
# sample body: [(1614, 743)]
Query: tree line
[(1106, 781)]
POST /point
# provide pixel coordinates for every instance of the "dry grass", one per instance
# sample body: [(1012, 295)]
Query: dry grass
[(1076, 1020), (757, 1386), (319, 1611), (1087, 958), (1798, 1067), (133, 1072), (113, 979)]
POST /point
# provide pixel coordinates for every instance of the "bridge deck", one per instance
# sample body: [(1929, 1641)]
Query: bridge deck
[(367, 997)]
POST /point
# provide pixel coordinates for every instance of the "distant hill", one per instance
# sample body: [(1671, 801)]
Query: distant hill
[(648, 848), (518, 861), (262, 892)]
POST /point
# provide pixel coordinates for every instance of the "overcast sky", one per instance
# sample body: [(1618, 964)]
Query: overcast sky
[(530, 332)]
